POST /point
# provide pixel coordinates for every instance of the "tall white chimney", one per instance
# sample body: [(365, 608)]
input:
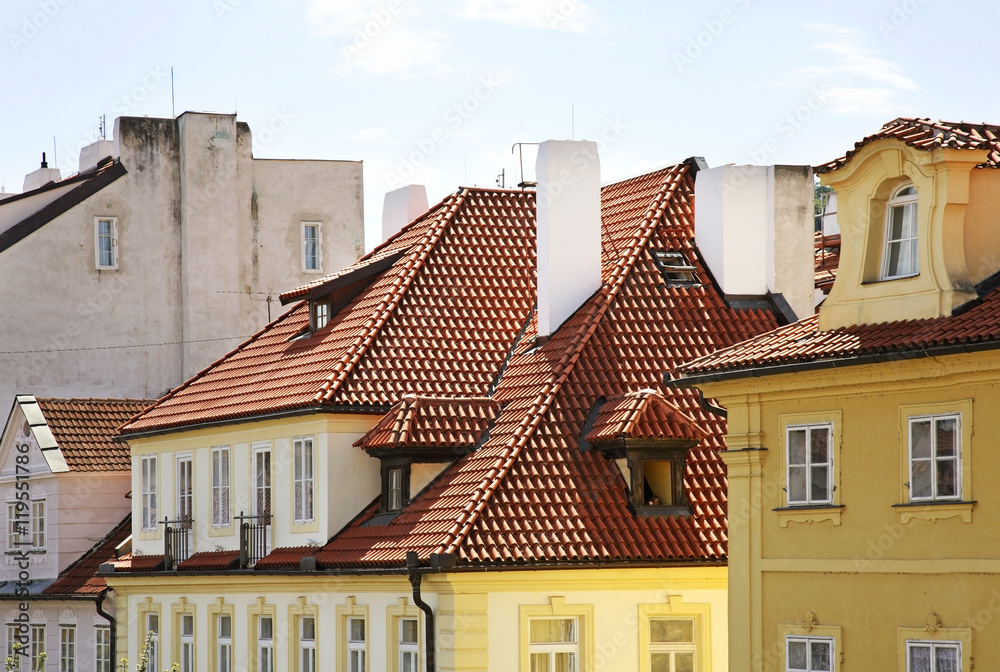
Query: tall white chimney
[(568, 202), (92, 154), (41, 177), (754, 228), (402, 206)]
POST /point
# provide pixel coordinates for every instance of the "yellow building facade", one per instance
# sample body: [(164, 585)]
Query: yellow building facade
[(860, 456)]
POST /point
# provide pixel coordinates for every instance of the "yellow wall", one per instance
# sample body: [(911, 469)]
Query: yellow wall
[(872, 567)]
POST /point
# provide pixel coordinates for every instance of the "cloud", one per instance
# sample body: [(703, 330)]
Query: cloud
[(568, 15)]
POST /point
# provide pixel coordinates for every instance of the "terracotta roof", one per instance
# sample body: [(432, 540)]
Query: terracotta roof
[(827, 260), (645, 414), (426, 422), (80, 578), (926, 134), (976, 324), (85, 430), (139, 563), (211, 560)]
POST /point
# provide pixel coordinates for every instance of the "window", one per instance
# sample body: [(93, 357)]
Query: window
[(809, 654), (38, 525), (152, 635), (933, 656), (38, 647), (265, 644), (676, 269), (671, 645), (810, 463), (187, 643), (148, 487), (15, 527), (356, 648), (320, 314), (106, 238), (307, 644), (224, 646), (18, 526), (935, 457), (312, 257), (899, 258), (394, 489), (220, 486), (102, 638), (185, 489), (67, 648), (553, 645), (262, 480), (409, 660), (303, 455)]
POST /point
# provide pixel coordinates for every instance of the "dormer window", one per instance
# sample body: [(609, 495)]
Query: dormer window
[(676, 269), (320, 314), (394, 493), (899, 256)]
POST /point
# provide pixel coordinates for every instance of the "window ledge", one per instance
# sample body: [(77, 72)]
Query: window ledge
[(895, 277), (663, 511), (934, 511), (809, 513)]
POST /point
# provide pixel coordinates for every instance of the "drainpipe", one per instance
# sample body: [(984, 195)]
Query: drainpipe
[(416, 573), (113, 623)]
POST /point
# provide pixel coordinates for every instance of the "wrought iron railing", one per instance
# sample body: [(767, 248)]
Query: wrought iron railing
[(255, 536), (176, 541)]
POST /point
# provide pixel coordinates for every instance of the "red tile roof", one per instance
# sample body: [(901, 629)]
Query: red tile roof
[(451, 316), (926, 134), (85, 430), (209, 561), (645, 414), (80, 578), (426, 422), (827, 261)]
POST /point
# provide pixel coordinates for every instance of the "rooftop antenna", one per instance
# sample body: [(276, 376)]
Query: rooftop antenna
[(102, 127), (55, 157), (520, 159), (173, 110), (501, 178)]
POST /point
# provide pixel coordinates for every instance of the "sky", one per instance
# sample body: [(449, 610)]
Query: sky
[(437, 92)]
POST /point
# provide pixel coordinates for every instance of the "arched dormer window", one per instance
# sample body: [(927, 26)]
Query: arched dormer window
[(899, 256)]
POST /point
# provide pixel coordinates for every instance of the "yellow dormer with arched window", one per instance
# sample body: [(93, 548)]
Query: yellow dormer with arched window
[(904, 219)]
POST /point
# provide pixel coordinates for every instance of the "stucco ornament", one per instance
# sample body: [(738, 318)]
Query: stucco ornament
[(933, 623), (810, 622)]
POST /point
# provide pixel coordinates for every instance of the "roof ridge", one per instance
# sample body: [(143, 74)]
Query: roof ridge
[(545, 398), (633, 415), (386, 308)]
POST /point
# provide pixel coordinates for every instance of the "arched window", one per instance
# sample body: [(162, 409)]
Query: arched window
[(899, 257)]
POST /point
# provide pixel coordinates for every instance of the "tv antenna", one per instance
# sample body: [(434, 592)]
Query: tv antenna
[(520, 160)]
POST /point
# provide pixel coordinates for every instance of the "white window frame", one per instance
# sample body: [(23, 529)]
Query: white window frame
[(221, 474), (265, 645), (15, 524), (102, 648), (307, 646), (933, 645), (809, 464), (147, 486), (552, 648), (303, 480), (907, 204), (809, 641), (357, 649), (317, 257), (409, 650), (673, 648), (13, 629), (38, 644), (187, 642), (933, 460), (394, 490), (38, 525), (184, 486), (152, 625), (224, 645), (112, 236), (67, 648)]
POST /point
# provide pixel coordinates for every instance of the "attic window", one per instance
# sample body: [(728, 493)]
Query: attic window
[(658, 480), (320, 314), (676, 269), (899, 256), (395, 484)]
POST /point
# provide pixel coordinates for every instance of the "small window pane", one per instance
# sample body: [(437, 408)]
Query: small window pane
[(819, 445), (947, 659), (797, 447), (266, 628), (920, 439), (659, 662), (187, 624), (683, 662), (565, 661), (797, 484), (671, 630), (820, 656), (308, 628), (946, 437), (408, 631), (947, 479), (540, 662), (798, 654), (544, 630), (920, 659), (820, 483), (357, 630), (225, 626)]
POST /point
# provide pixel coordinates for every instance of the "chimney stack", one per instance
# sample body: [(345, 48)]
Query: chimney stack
[(41, 177), (568, 202), (754, 229), (401, 207)]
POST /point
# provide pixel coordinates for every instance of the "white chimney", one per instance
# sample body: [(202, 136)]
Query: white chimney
[(401, 207), (93, 153), (41, 177), (754, 229), (568, 202)]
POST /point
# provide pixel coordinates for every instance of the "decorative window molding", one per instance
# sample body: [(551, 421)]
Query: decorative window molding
[(405, 637), (221, 475), (303, 480), (803, 501), (352, 636), (106, 243), (900, 257), (817, 641), (303, 620), (577, 625), (929, 467), (652, 619), (261, 649), (220, 644), (931, 638), (312, 247)]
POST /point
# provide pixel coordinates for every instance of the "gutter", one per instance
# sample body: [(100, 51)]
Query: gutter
[(416, 574), (794, 367), (111, 621)]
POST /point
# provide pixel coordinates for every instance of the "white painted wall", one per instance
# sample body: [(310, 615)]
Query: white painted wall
[(568, 202), (206, 233), (402, 206)]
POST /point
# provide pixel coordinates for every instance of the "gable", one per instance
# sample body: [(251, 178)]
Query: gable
[(27, 434)]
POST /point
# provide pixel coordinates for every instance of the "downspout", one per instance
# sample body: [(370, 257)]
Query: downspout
[(114, 629), (416, 573)]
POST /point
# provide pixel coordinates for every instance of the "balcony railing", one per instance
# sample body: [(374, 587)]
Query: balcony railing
[(176, 541), (255, 538)]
